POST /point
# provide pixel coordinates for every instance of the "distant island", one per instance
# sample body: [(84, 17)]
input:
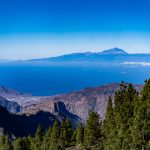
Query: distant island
[(113, 55), (114, 51)]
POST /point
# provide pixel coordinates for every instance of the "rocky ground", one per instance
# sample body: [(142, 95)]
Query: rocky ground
[(79, 103)]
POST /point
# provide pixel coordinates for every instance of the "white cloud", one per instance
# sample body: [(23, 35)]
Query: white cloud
[(137, 63)]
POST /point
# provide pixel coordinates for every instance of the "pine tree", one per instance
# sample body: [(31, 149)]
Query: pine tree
[(128, 116), (124, 115), (38, 139), (108, 126), (69, 132), (141, 126), (47, 139), (66, 133), (92, 133), (21, 144), (55, 143), (118, 116), (79, 134), (4, 143), (73, 139), (63, 135)]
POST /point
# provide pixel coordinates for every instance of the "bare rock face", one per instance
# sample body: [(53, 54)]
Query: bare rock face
[(59, 107), (79, 103), (10, 93), (11, 106)]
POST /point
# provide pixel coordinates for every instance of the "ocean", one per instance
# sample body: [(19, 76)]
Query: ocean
[(45, 80)]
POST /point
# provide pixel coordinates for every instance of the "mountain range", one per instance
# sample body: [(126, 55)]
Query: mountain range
[(112, 56), (76, 105), (79, 102), (80, 56)]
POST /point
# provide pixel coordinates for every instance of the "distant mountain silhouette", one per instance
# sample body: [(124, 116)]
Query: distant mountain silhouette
[(114, 51), (114, 55)]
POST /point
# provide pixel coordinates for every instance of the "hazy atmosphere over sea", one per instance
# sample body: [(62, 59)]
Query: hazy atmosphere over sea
[(44, 28)]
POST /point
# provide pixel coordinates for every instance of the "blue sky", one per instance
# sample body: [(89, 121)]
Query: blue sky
[(43, 28)]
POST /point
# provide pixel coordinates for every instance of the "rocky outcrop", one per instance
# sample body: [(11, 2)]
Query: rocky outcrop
[(79, 103), (45, 110), (10, 93), (11, 106), (60, 108), (75, 105)]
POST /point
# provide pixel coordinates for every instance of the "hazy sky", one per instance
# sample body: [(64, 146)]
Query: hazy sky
[(43, 28)]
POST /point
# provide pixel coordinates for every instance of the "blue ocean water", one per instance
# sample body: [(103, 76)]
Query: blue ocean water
[(56, 79)]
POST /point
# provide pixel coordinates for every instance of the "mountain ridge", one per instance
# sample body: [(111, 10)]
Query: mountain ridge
[(76, 105), (112, 51), (110, 55), (79, 102)]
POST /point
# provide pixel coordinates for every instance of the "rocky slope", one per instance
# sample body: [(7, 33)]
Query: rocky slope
[(20, 98), (76, 105), (44, 110), (10, 93), (11, 106), (79, 103)]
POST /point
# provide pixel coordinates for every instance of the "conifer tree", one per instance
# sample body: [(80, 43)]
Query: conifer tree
[(38, 139), (4, 143), (55, 144), (108, 126), (69, 132), (141, 126), (79, 134), (21, 144), (128, 116), (63, 135), (66, 133), (124, 115), (92, 133), (47, 139), (73, 139), (118, 116)]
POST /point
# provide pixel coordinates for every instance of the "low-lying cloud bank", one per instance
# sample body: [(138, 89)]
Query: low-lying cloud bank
[(137, 63)]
